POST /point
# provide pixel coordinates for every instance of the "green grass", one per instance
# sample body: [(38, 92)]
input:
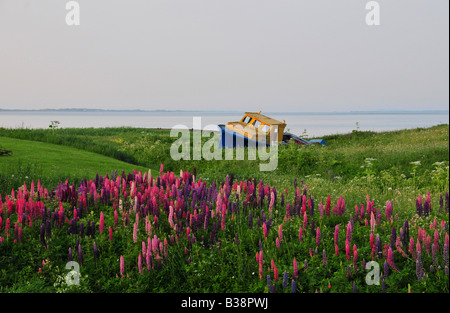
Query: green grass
[(32, 160)]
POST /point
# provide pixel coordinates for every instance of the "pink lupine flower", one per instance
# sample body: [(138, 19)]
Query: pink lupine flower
[(305, 220), (122, 266), (300, 234), (349, 232), (372, 241), (436, 239), (275, 273), (135, 229), (355, 253), (411, 247), (336, 250), (116, 219), (372, 222), (102, 223), (388, 211), (277, 243), (171, 217), (295, 274), (318, 236), (428, 244), (390, 259), (280, 232), (347, 249), (265, 230), (336, 234), (140, 263)]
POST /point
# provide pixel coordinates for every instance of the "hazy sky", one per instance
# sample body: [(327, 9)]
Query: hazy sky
[(270, 55)]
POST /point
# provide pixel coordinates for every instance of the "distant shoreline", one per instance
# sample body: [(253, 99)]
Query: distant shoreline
[(81, 110)]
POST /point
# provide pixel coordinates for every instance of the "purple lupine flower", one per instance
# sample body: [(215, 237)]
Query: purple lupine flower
[(95, 252), (42, 234), (250, 220), (294, 288), (419, 266), (80, 255), (386, 270), (433, 252), (354, 288), (445, 261), (285, 277), (393, 237), (70, 254), (324, 258), (383, 285), (269, 282)]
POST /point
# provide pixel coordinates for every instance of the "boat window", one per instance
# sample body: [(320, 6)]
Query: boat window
[(256, 123), (265, 128), (246, 119)]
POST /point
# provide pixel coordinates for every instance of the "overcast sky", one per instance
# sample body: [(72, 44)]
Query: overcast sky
[(270, 55)]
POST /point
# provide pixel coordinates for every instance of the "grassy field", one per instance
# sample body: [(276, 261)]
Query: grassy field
[(206, 252)]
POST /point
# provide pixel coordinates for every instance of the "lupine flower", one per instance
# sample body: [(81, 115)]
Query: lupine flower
[(70, 254), (389, 211), (305, 220), (390, 259), (95, 252), (336, 234), (295, 274), (280, 232), (386, 270), (306, 265), (318, 236), (269, 285), (372, 222), (419, 266), (122, 266), (285, 278), (140, 263), (110, 233), (293, 287), (445, 261), (101, 226), (336, 250), (300, 234), (265, 230), (277, 243), (275, 274), (80, 255), (135, 229), (324, 258), (347, 249)]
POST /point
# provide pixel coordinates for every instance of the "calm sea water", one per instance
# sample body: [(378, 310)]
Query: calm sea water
[(310, 124)]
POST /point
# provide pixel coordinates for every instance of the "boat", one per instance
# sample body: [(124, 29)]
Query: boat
[(255, 129)]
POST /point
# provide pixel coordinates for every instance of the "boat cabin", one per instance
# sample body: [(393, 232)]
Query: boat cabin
[(253, 123)]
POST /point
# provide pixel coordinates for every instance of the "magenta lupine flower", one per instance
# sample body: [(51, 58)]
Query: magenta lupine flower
[(101, 226), (116, 219), (277, 243), (347, 249), (135, 228), (110, 233), (140, 263), (20, 233), (372, 222), (390, 259), (388, 211), (411, 247), (265, 230), (295, 274), (436, 239), (275, 274), (280, 232), (122, 266), (305, 220), (318, 236), (349, 232), (300, 234), (261, 271), (336, 234), (336, 250)]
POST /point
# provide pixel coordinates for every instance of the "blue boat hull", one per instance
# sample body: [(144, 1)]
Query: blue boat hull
[(230, 139)]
